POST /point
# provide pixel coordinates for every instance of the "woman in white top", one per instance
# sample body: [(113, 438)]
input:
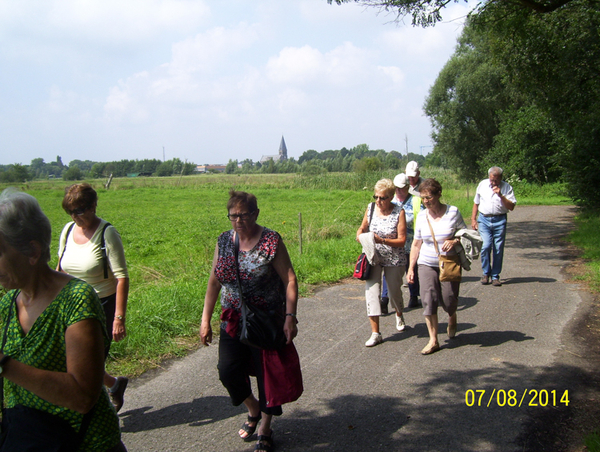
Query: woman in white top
[(81, 254), (388, 225), (445, 220)]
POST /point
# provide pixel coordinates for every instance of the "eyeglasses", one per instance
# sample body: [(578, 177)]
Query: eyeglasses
[(427, 198), (240, 216), (79, 211), (381, 198)]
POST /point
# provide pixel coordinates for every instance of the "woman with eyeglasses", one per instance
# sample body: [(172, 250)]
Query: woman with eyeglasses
[(268, 281), (387, 224), (91, 249), (443, 221)]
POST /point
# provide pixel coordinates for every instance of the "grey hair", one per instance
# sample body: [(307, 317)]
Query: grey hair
[(495, 170), (22, 221)]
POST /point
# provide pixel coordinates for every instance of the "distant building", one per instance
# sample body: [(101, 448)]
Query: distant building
[(210, 168), (282, 156)]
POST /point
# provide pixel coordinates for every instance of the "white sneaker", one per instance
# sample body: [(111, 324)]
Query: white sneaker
[(374, 340), (400, 325)]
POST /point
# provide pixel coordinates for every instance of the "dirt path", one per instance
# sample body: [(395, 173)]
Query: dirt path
[(523, 336)]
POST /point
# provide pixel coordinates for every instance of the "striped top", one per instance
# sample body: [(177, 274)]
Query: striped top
[(444, 228)]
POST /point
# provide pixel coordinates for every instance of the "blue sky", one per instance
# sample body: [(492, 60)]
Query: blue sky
[(212, 80)]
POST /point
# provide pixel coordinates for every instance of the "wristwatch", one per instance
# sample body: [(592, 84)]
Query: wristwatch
[(3, 362), (119, 317)]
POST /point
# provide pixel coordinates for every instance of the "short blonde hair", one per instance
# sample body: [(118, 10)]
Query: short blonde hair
[(386, 186)]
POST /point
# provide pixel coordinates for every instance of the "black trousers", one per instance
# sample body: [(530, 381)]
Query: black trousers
[(237, 362)]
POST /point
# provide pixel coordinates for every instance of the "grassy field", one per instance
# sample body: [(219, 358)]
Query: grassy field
[(169, 228)]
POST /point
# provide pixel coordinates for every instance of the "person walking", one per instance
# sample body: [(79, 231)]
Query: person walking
[(414, 177), (403, 199), (90, 248), (494, 198), (383, 229), (268, 282), (437, 224)]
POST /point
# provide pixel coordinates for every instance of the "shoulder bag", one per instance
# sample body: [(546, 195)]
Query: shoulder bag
[(450, 269), (26, 429), (362, 269), (261, 328)]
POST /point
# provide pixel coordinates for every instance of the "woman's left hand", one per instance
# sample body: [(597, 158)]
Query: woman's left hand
[(119, 331), (449, 244), (290, 329)]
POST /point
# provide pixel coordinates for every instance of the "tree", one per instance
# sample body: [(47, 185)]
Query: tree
[(231, 166), (165, 169), (368, 164), (463, 106), (428, 12), (97, 170), (308, 155), (73, 173)]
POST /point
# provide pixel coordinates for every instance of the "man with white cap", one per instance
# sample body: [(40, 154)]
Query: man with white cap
[(414, 177), (404, 199)]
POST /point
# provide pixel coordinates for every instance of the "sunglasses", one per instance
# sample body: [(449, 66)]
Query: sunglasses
[(381, 198), (79, 211), (240, 216)]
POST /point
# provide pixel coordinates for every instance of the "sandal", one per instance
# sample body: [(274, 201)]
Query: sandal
[(265, 443), (250, 429)]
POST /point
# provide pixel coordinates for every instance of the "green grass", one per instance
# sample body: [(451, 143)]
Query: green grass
[(169, 228), (592, 442), (585, 237)]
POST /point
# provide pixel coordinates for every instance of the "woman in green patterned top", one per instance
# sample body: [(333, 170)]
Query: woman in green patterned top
[(53, 330)]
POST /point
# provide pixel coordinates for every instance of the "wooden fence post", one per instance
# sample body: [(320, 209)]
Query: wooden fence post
[(300, 231)]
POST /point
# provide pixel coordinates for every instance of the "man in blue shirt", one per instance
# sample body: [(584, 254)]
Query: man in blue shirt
[(494, 198)]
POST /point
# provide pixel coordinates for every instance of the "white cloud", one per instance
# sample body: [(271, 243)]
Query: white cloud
[(112, 21), (213, 79)]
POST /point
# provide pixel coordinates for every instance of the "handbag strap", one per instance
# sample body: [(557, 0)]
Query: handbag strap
[(237, 268), (87, 417), (432, 234), (371, 215)]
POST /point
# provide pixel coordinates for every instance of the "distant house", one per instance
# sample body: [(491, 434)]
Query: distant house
[(210, 168), (282, 156)]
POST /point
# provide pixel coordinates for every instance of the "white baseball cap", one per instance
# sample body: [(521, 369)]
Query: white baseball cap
[(401, 180), (412, 168)]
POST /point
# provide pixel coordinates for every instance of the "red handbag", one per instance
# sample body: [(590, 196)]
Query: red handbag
[(362, 269)]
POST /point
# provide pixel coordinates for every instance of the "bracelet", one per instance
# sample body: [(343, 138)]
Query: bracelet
[(119, 317), (290, 314)]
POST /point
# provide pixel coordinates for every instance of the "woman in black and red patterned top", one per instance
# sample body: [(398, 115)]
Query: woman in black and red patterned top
[(268, 281)]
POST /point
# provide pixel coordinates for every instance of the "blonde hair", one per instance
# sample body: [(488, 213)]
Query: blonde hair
[(385, 185)]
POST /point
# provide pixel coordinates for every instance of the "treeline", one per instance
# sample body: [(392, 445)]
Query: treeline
[(358, 159), (522, 91), (87, 169)]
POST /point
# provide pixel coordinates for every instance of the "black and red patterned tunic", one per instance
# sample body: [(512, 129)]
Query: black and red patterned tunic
[(261, 284)]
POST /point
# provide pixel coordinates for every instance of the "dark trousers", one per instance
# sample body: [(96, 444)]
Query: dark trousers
[(237, 362)]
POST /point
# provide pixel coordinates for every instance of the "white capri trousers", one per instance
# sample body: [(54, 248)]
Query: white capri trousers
[(393, 277)]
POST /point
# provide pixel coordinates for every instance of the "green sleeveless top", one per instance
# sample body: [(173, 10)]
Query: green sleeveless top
[(44, 348)]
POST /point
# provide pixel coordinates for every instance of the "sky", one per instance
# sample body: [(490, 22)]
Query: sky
[(207, 81)]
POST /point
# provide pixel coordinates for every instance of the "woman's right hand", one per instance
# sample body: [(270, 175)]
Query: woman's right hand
[(205, 333), (410, 275)]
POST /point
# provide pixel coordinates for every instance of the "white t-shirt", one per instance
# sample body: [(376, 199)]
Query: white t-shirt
[(444, 228)]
